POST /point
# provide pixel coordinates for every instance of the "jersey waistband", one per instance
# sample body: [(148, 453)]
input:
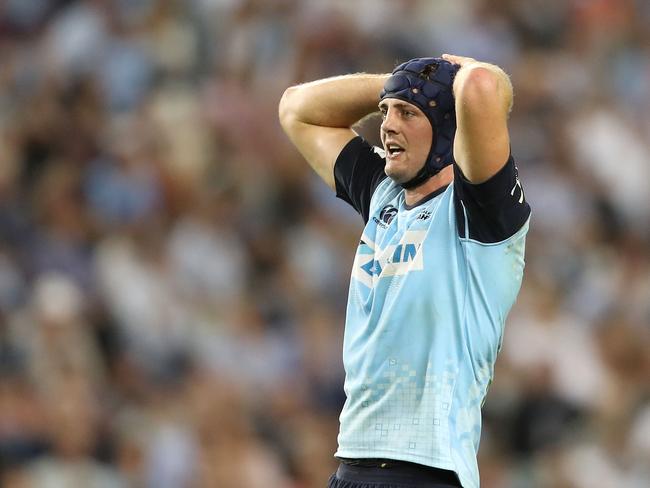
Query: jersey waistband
[(369, 470)]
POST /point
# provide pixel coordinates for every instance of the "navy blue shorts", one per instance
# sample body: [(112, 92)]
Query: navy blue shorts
[(385, 473)]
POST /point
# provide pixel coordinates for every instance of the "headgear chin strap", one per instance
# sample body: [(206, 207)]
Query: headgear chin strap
[(428, 84)]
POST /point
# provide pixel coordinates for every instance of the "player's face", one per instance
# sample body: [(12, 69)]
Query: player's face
[(407, 135)]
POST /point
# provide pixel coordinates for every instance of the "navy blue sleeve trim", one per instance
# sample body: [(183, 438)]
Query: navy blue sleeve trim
[(357, 173), (495, 209)]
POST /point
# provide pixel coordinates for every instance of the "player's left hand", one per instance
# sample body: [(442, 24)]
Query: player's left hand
[(462, 60)]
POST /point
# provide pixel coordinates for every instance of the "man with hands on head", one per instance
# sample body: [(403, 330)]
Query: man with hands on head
[(437, 268)]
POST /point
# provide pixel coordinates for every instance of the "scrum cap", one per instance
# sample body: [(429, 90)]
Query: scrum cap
[(427, 83)]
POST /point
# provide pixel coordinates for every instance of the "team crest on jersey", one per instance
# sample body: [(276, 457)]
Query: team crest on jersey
[(386, 216)]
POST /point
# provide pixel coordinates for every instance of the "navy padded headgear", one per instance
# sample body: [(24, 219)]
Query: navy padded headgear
[(428, 84)]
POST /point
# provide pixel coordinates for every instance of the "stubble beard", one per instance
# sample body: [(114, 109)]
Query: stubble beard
[(402, 174)]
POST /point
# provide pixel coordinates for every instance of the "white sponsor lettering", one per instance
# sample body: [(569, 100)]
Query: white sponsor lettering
[(371, 264)]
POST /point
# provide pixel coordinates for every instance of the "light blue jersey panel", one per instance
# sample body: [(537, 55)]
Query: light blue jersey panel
[(424, 324)]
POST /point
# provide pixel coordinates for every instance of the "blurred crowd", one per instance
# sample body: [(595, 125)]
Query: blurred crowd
[(173, 276)]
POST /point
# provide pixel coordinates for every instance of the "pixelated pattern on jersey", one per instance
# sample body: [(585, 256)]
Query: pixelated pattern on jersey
[(400, 408)]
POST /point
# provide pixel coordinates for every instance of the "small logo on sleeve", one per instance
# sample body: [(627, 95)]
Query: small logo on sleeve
[(521, 190)]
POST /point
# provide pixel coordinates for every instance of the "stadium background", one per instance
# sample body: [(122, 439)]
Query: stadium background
[(173, 277)]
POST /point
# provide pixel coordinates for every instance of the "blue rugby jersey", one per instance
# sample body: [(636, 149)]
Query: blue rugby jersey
[(430, 290)]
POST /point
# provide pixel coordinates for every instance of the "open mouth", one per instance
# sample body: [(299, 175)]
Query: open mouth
[(394, 149)]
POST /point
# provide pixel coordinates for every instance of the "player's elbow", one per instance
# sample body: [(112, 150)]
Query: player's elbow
[(288, 108), (485, 86)]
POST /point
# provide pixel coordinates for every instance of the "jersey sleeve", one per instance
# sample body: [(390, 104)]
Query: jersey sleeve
[(357, 172), (491, 211)]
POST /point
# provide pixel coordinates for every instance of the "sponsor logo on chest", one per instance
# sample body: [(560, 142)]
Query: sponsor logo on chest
[(372, 263)]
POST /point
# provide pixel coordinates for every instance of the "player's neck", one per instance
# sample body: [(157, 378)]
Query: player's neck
[(443, 178)]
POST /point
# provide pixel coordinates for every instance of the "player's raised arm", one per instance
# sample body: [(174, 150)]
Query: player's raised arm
[(483, 94), (318, 116)]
